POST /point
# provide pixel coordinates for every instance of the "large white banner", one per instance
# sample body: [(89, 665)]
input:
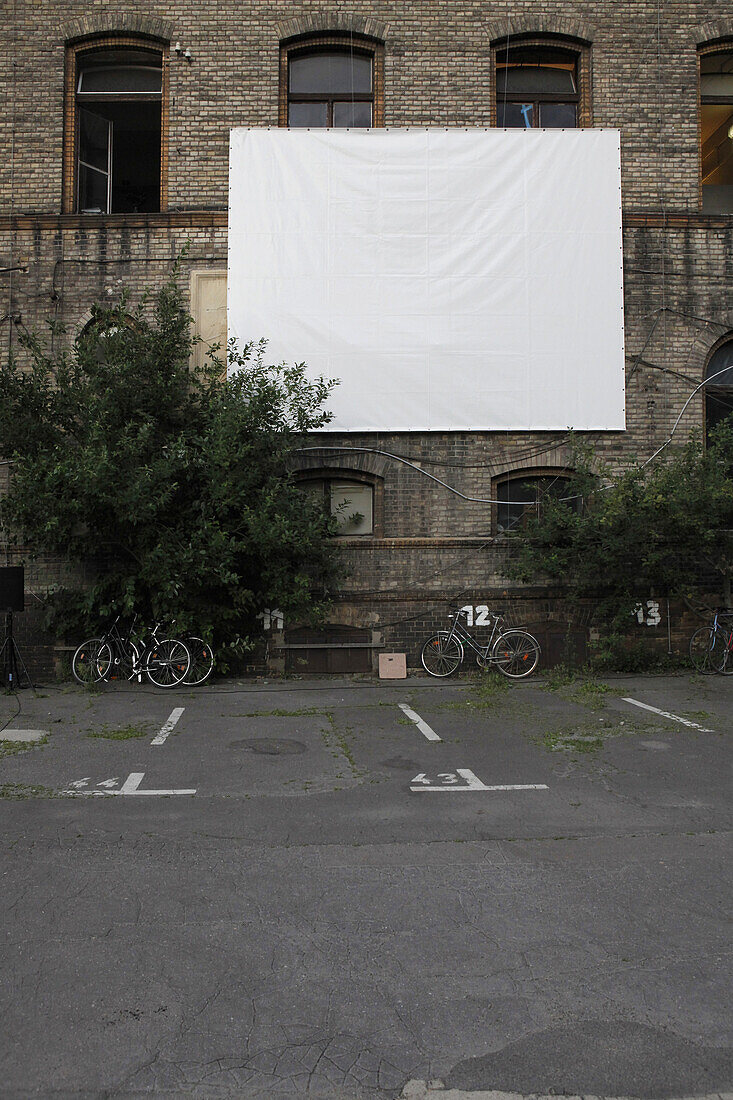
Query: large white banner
[(450, 279)]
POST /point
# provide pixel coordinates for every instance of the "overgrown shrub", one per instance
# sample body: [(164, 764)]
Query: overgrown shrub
[(177, 482)]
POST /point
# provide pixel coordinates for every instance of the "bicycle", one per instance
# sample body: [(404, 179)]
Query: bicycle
[(202, 660), (121, 656), (515, 653), (711, 646)]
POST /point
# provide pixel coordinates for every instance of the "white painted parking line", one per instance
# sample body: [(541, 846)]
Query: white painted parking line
[(131, 786), (168, 726), (424, 728), (666, 714), (23, 735), (451, 781)]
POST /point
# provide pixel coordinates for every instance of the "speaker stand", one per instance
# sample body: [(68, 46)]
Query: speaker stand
[(11, 662)]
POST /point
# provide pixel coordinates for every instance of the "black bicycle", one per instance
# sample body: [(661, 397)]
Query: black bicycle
[(120, 655), (515, 653)]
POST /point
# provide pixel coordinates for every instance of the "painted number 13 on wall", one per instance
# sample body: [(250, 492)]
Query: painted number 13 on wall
[(648, 613)]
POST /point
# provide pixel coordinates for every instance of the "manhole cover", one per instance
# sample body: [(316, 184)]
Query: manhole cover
[(270, 746)]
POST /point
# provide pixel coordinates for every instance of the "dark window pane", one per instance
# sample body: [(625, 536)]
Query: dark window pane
[(92, 190), (352, 114), (721, 360), (127, 78), (716, 74), (535, 79), (308, 114), (522, 498), (558, 115), (513, 115), (330, 73), (135, 157), (718, 410), (94, 138)]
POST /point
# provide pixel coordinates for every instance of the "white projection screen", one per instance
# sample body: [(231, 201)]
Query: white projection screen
[(450, 279)]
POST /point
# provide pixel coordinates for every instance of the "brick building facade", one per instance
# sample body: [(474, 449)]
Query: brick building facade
[(71, 233)]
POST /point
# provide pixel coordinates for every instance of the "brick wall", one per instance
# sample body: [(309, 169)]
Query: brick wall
[(437, 71)]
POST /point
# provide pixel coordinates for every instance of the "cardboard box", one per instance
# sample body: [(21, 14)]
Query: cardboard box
[(392, 666)]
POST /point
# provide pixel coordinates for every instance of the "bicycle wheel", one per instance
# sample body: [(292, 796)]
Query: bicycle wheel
[(91, 662), (202, 661), (167, 662), (516, 654), (708, 650), (441, 655), (124, 661), (727, 666)]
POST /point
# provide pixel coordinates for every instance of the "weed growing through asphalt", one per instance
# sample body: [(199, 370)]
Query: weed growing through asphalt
[(25, 790), (122, 733), (12, 748), (578, 739), (592, 693), (579, 687), (488, 692), (698, 715), (560, 676)]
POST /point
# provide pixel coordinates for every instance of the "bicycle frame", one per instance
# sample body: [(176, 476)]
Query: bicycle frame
[(461, 632)]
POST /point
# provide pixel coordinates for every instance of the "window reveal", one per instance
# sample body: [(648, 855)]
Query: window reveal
[(536, 87), (520, 499), (351, 503), (118, 127), (716, 131), (331, 88)]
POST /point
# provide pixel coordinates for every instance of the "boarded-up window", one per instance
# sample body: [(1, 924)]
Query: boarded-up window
[(209, 312)]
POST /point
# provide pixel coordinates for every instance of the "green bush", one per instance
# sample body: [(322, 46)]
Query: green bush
[(176, 483)]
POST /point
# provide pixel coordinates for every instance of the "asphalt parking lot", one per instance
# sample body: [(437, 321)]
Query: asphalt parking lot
[(333, 888)]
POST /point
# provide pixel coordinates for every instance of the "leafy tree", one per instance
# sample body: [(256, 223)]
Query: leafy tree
[(177, 483), (657, 528)]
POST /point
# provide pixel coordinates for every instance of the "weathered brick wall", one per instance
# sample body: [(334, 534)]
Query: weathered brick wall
[(437, 57)]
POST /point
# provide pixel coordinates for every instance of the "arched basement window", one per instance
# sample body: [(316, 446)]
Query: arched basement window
[(719, 390), (521, 497)]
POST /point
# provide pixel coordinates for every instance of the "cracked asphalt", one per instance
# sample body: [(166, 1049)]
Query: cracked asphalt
[(345, 908)]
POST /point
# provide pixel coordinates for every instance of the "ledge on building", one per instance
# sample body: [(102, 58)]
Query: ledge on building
[(166, 219)]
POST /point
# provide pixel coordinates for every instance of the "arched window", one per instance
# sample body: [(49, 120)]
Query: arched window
[(332, 81), (115, 127), (349, 500), (541, 83), (105, 339), (716, 130), (521, 496), (719, 390)]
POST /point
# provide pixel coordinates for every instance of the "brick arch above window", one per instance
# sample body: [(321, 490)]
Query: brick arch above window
[(372, 466), (522, 25), (713, 33), (334, 42), (305, 25), (118, 24)]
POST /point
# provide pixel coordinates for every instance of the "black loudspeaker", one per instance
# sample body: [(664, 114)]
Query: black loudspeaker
[(11, 588)]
